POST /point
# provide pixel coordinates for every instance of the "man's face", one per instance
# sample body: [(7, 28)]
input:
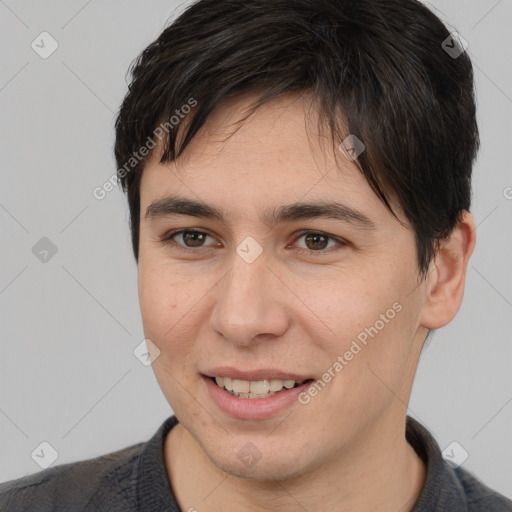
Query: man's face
[(286, 298)]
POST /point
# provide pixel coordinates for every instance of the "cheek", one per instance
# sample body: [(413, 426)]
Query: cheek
[(368, 325), (343, 306), (170, 317), (167, 303)]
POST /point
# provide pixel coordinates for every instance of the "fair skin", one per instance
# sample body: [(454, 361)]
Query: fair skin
[(295, 308)]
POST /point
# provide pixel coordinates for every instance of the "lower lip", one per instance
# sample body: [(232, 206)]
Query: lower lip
[(253, 408)]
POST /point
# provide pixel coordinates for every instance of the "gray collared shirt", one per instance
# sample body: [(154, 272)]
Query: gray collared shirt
[(135, 479)]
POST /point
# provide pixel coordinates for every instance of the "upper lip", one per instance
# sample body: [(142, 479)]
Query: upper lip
[(254, 375)]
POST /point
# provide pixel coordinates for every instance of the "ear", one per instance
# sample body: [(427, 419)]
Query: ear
[(447, 275)]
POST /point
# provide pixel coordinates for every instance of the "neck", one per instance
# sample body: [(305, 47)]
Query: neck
[(380, 471)]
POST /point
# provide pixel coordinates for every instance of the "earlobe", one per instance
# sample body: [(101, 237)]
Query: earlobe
[(447, 276)]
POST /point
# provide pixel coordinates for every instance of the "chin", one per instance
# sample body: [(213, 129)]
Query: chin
[(267, 463), (259, 472)]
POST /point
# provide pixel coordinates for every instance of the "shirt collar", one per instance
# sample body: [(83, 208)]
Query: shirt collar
[(154, 490), (442, 489)]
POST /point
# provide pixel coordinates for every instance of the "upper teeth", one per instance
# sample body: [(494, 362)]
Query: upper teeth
[(258, 387)]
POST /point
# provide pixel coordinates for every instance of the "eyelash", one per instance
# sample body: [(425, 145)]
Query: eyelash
[(168, 239)]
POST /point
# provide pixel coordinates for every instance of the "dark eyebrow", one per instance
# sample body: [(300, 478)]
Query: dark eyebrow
[(175, 205)]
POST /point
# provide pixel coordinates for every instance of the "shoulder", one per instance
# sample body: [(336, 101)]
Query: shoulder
[(480, 497), (447, 487), (76, 484)]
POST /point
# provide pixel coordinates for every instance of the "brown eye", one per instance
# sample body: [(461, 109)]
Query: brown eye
[(193, 238), (187, 239), (316, 241)]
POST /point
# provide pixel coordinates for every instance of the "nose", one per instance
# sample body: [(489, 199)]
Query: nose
[(250, 303)]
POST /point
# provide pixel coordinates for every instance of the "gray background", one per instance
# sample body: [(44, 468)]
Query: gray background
[(69, 326)]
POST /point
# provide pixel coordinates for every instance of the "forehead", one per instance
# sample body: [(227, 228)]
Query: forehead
[(281, 134), (274, 156)]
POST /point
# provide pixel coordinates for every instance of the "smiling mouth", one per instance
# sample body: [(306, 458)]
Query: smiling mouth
[(257, 388)]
